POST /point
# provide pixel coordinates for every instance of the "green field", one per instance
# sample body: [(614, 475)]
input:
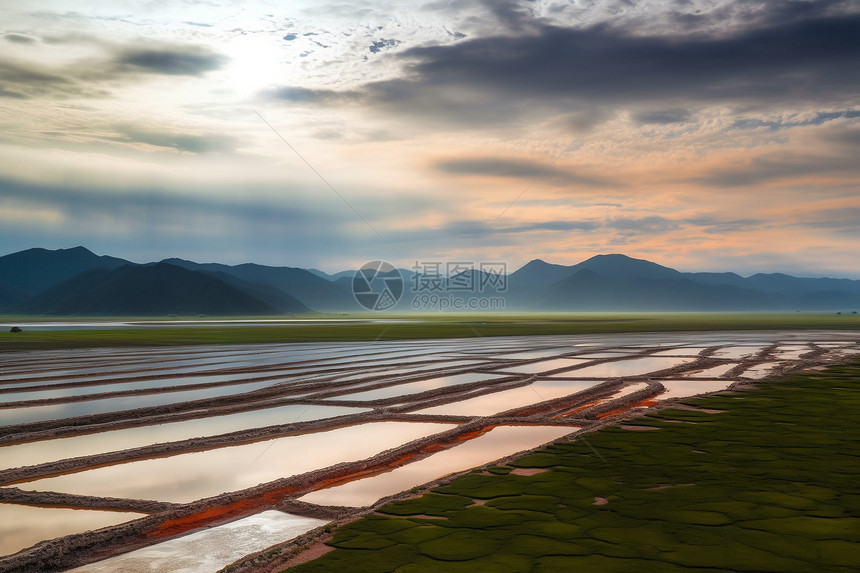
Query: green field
[(418, 326), (769, 484)]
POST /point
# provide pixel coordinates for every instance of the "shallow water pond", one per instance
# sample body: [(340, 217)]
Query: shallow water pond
[(209, 550), (632, 367), (188, 477), (543, 366), (489, 404), (500, 442), (50, 450), (685, 388), (416, 387), (22, 526)]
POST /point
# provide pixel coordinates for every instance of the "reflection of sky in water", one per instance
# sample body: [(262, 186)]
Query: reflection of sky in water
[(606, 354), (490, 404), (54, 412), (684, 388), (498, 443), (712, 372), (22, 526), (545, 353), (791, 352), (187, 477), (736, 352), (415, 387), (49, 450), (632, 367), (759, 371), (681, 351), (124, 386), (209, 550), (543, 366)]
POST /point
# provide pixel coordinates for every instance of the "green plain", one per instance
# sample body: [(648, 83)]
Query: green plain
[(769, 485), (381, 326)]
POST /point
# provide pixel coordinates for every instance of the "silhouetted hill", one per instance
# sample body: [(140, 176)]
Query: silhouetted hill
[(145, 290), (538, 274), (272, 296), (11, 296), (624, 268), (34, 270), (76, 281), (586, 290), (618, 282), (311, 290)]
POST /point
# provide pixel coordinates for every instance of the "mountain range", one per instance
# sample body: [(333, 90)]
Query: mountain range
[(77, 282)]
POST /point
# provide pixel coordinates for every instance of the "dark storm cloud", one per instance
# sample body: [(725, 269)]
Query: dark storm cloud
[(797, 60), (567, 71), (758, 13), (170, 60), (563, 70), (511, 14), (515, 169)]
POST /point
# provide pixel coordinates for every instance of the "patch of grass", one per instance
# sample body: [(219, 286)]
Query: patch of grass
[(760, 498), (414, 326)]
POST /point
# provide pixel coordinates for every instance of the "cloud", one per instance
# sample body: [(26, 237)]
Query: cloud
[(551, 70), (513, 168), (582, 75), (19, 38), (783, 166), (653, 224), (845, 220), (95, 76), (22, 80), (383, 44), (663, 116), (818, 118), (210, 143), (301, 95), (173, 60), (716, 226)]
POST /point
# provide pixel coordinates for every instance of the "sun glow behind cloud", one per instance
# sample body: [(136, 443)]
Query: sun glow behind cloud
[(694, 136)]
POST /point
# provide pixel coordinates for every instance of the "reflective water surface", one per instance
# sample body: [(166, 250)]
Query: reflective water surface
[(22, 526), (210, 550), (48, 450), (499, 442), (187, 477)]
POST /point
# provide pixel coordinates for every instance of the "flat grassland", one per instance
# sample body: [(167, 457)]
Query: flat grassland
[(755, 480), (326, 328)]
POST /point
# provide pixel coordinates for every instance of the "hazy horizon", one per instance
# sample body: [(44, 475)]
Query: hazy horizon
[(702, 135)]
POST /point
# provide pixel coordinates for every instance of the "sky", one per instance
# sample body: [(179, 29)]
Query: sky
[(699, 134)]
